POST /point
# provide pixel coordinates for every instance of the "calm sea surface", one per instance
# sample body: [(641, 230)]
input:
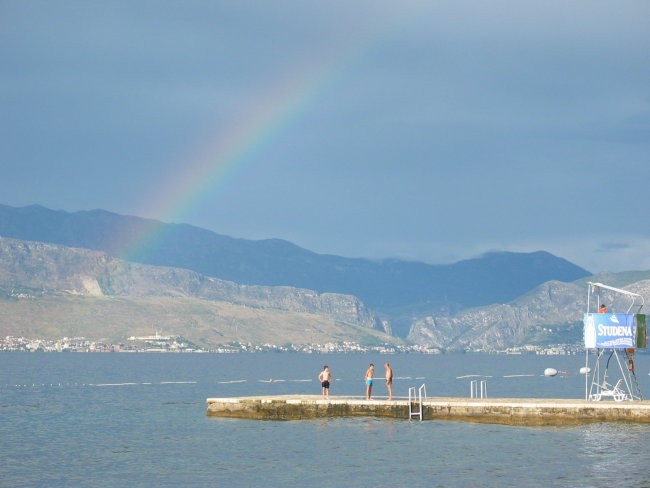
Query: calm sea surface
[(104, 420)]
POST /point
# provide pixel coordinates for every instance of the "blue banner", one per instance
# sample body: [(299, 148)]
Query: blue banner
[(609, 330)]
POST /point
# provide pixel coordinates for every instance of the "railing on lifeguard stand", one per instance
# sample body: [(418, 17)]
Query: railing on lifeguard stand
[(416, 398)]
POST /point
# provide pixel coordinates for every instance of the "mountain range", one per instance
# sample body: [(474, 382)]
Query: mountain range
[(49, 290), (395, 290), (77, 274)]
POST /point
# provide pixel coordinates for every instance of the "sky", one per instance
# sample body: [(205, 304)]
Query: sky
[(432, 131)]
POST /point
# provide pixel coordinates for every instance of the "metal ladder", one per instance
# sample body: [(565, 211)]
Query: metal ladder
[(417, 399), (478, 389)]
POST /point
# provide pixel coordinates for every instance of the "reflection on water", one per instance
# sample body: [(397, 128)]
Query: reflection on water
[(615, 449)]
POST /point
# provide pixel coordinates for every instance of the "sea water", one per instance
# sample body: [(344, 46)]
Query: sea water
[(108, 420)]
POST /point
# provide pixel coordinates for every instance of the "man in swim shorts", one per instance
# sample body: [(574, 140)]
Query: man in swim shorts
[(325, 377), (368, 378), (389, 381)]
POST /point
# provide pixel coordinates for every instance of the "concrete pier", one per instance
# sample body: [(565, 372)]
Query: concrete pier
[(506, 411)]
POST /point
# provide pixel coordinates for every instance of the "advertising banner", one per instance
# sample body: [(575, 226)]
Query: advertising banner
[(609, 330)]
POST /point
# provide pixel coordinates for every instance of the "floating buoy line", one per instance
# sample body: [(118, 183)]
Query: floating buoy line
[(548, 372), (99, 385)]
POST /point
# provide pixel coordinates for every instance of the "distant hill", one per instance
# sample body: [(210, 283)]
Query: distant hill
[(549, 314), (53, 291), (396, 289)]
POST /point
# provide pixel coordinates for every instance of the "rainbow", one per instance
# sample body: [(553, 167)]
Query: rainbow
[(215, 165), (231, 150)]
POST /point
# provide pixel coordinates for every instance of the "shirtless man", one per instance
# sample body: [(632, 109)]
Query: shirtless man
[(389, 381), (325, 377), (368, 378)]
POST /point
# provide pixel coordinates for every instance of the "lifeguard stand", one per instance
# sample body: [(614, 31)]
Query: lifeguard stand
[(612, 336)]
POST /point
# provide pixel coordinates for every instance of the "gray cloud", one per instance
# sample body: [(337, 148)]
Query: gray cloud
[(436, 131)]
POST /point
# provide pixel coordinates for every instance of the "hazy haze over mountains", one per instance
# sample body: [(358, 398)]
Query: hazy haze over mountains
[(396, 290), (51, 290), (206, 286)]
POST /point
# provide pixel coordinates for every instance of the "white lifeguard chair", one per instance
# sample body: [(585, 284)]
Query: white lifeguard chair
[(608, 391), (612, 336)]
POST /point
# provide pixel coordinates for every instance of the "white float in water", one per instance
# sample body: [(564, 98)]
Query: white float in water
[(550, 372), (585, 370)]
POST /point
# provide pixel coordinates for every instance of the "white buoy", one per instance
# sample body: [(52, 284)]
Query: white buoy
[(585, 370), (550, 372)]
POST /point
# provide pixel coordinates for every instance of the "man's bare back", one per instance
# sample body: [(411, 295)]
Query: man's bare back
[(325, 377)]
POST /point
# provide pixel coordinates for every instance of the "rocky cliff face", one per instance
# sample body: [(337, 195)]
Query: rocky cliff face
[(218, 309), (551, 313), (46, 269), (397, 289)]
